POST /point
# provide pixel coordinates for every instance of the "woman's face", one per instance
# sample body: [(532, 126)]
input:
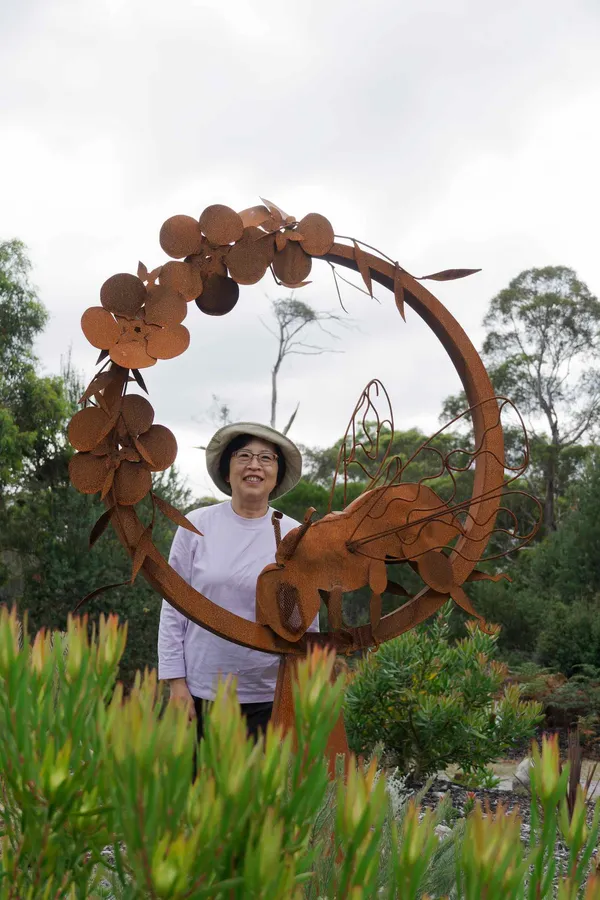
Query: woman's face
[(253, 479)]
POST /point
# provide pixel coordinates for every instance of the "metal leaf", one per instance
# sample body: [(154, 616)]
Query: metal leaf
[(136, 374), (399, 291), (108, 483), (100, 590), (254, 215), (100, 526), (174, 515), (448, 275), (363, 267), (273, 208), (96, 385), (110, 424), (103, 354), (141, 552), (153, 275), (143, 452), (142, 271)]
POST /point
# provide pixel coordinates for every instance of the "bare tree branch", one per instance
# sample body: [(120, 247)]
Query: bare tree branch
[(292, 317)]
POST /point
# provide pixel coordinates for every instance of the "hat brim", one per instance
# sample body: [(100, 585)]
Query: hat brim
[(223, 437)]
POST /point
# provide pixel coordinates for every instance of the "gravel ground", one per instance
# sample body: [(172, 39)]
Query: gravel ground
[(510, 801)]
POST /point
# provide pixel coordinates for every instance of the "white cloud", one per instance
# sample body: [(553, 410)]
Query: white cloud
[(460, 134)]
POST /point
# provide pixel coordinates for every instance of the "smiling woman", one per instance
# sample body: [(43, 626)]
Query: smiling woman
[(253, 464)]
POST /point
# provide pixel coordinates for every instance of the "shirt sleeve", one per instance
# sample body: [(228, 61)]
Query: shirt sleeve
[(173, 625)]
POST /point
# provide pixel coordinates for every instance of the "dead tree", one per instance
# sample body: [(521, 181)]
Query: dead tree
[(292, 317)]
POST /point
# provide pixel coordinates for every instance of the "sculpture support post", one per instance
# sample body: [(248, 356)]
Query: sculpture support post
[(283, 713)]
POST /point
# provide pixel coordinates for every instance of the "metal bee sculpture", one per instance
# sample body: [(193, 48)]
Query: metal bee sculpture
[(396, 521)]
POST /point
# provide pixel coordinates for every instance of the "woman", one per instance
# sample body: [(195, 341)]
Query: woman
[(253, 464)]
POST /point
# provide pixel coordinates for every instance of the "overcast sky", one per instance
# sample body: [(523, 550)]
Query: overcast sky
[(448, 134)]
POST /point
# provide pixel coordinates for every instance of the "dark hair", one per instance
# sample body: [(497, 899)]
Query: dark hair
[(240, 441)]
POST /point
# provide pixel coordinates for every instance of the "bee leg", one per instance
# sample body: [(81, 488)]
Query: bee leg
[(334, 608), (333, 601), (460, 598), (378, 581)]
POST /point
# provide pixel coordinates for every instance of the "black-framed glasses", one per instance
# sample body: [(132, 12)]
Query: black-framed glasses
[(265, 457)]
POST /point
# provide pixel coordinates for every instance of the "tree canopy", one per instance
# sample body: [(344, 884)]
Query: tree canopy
[(32, 407), (542, 349)]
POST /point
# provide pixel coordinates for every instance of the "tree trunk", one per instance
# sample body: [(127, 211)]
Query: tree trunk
[(274, 394), (550, 498)]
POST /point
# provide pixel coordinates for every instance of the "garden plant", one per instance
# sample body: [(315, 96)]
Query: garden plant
[(433, 703), (97, 798)]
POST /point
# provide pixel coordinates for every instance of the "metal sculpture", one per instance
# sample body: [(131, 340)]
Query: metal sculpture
[(118, 445), (393, 521)]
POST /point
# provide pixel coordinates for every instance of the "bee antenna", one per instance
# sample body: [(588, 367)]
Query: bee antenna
[(276, 521), (301, 531)]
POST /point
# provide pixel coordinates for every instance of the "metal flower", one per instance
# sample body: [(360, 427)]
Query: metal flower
[(137, 324), (204, 243), (293, 242), (242, 244), (119, 452)]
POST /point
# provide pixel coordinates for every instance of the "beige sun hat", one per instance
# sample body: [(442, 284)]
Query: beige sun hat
[(223, 437)]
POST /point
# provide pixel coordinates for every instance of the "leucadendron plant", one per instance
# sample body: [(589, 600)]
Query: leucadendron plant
[(98, 798)]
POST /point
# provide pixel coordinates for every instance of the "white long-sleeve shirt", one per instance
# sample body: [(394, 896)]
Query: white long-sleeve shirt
[(223, 565)]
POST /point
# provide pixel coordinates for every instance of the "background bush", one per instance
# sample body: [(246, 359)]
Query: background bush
[(433, 703)]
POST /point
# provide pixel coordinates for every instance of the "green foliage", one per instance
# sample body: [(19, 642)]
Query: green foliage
[(320, 465), (570, 637), (46, 564), (97, 798), (542, 349), (567, 563), (434, 704), (48, 531), (32, 408), (22, 316), (576, 702), (304, 495), (550, 610), (545, 319)]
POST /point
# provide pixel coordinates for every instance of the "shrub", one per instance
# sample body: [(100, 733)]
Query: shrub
[(433, 703), (97, 798), (570, 636)]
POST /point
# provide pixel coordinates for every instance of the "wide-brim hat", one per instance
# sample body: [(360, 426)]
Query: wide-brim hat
[(223, 437)]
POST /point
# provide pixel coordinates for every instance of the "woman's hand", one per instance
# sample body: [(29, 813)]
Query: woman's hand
[(180, 694)]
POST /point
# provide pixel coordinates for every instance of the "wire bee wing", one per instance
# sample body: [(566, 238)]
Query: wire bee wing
[(404, 519), (367, 442)]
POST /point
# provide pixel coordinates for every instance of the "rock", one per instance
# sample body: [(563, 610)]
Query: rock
[(521, 783), (442, 831)]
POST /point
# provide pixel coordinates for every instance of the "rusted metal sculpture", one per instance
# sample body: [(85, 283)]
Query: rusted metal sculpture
[(393, 522)]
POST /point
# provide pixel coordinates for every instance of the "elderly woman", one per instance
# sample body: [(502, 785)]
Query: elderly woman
[(253, 464)]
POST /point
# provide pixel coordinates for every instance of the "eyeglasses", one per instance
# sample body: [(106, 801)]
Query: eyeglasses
[(265, 458)]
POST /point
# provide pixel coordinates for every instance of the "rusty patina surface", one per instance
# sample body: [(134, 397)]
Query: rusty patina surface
[(119, 446)]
